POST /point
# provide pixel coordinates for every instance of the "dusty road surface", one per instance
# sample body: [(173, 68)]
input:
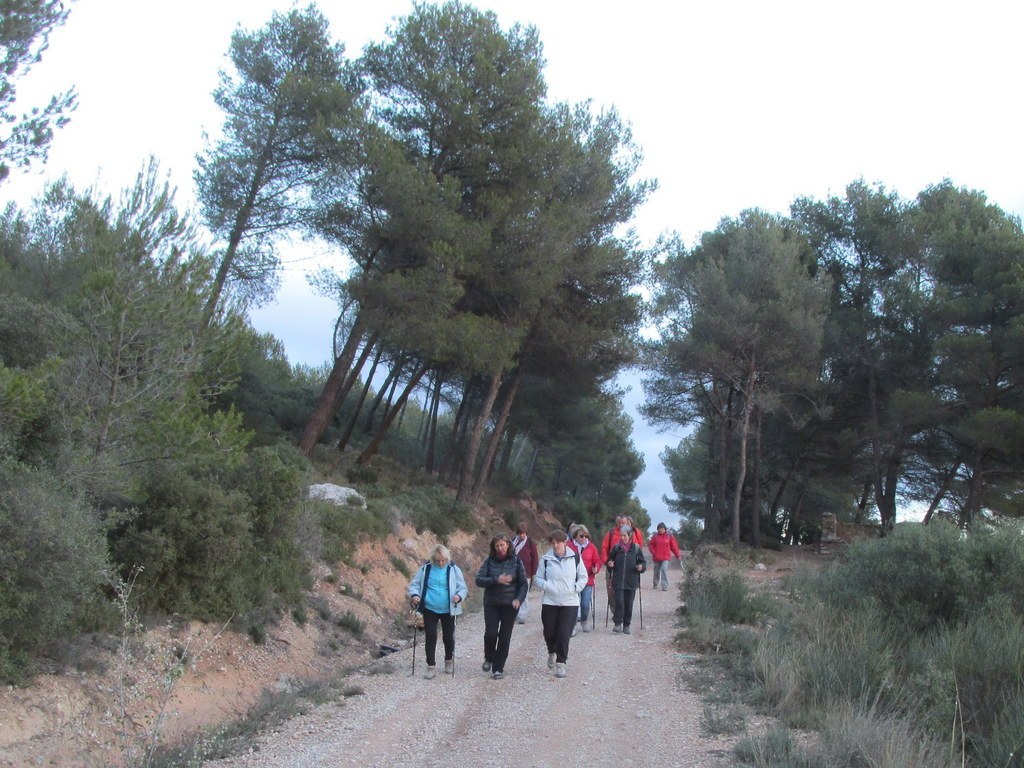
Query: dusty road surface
[(622, 704)]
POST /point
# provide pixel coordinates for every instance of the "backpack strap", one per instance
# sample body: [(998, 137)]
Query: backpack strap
[(423, 587)]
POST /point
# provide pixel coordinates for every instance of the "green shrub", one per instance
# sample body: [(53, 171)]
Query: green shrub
[(352, 623), (52, 565), (711, 636), (428, 507), (973, 674), (995, 556), (773, 749), (194, 541), (726, 597), (401, 566), (918, 576), (272, 478), (258, 633), (218, 543), (864, 736), (363, 475), (343, 527), (1003, 746), (718, 719), (820, 659)]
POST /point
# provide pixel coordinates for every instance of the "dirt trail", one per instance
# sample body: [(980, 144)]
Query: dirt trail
[(622, 704)]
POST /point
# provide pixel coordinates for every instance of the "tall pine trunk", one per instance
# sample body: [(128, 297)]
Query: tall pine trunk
[(492, 445), (389, 417), (335, 390), (741, 472), (465, 491), (755, 511), (434, 409), (343, 442)]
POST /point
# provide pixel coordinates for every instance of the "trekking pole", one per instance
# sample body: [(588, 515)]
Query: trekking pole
[(640, 592), (455, 621), (415, 631)]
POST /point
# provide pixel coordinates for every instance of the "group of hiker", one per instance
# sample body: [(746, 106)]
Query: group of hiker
[(565, 575)]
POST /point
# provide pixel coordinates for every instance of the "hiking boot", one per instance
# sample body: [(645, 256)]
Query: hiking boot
[(625, 630), (430, 674), (617, 628), (560, 669), (520, 621), (586, 627), (551, 661), (486, 666), (664, 587), (449, 666), (573, 632), (498, 675)]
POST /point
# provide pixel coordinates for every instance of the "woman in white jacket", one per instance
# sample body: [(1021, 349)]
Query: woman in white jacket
[(561, 576)]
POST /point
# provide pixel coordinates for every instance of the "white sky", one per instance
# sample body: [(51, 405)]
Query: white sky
[(735, 104)]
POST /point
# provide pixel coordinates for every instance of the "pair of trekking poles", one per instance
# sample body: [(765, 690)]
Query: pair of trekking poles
[(608, 602), (414, 622)]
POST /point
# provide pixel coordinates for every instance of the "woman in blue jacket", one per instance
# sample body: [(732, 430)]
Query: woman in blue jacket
[(437, 591)]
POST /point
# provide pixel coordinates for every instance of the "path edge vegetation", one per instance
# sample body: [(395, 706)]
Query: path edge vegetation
[(901, 652)]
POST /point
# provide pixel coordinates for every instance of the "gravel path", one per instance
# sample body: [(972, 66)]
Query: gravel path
[(622, 704)]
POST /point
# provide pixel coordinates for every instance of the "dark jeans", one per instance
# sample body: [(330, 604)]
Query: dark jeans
[(624, 606), (558, 621), (498, 623), (430, 620)]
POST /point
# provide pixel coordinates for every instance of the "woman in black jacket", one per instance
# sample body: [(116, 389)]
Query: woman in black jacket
[(625, 564), (503, 579)]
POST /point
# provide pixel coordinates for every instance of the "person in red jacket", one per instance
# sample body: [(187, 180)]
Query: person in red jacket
[(591, 558), (526, 550), (664, 547)]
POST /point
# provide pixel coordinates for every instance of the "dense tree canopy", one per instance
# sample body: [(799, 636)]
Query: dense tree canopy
[(289, 110), (914, 398)]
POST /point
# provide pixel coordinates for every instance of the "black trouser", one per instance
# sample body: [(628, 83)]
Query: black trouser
[(558, 621), (430, 620), (624, 606), (499, 621)]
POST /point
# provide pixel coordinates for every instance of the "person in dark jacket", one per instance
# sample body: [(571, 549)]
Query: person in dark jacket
[(625, 564), (503, 579)]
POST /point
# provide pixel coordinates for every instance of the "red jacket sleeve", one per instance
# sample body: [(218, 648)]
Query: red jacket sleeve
[(535, 556)]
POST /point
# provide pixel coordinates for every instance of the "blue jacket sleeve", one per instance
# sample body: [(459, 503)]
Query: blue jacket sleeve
[(461, 588)]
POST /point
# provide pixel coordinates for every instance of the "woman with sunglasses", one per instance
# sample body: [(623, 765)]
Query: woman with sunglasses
[(591, 558)]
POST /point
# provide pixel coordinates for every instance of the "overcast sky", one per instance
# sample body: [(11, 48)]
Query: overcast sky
[(735, 105)]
